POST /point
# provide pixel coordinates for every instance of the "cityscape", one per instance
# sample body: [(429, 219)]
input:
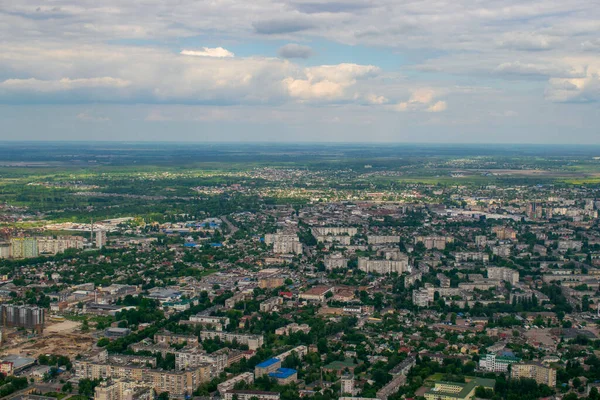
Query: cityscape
[(300, 273)]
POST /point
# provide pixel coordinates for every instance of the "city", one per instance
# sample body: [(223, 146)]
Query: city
[(360, 281)]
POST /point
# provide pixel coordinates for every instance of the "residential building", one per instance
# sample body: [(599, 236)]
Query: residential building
[(538, 372)]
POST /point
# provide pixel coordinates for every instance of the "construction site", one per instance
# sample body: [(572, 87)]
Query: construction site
[(64, 338)]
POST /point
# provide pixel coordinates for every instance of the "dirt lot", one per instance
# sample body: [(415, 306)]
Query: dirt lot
[(60, 338)]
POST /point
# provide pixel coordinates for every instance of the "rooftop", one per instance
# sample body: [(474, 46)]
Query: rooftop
[(268, 363), (282, 373)]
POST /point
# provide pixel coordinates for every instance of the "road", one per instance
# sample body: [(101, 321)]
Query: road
[(232, 228)]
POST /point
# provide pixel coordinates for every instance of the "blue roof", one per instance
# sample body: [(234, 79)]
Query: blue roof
[(189, 245), (282, 373), (268, 363)]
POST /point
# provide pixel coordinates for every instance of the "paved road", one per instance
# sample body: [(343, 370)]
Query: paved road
[(232, 228)]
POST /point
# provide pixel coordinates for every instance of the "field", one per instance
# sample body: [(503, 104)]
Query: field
[(82, 181)]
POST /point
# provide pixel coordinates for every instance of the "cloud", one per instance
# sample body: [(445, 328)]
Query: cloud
[(142, 75), (527, 41), (574, 90), (375, 99), (282, 26), (312, 7), (218, 52), (328, 81), (293, 50), (422, 99), (64, 84), (438, 106), (518, 69), (89, 117)]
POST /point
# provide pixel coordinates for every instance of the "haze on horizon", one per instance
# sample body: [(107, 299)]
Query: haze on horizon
[(301, 71)]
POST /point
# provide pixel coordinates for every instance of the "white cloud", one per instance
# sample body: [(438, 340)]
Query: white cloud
[(438, 106), (218, 52), (422, 99), (375, 99), (328, 81)]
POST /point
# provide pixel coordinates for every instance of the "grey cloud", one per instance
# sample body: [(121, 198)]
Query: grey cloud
[(521, 70), (527, 41), (293, 50), (282, 26), (332, 7)]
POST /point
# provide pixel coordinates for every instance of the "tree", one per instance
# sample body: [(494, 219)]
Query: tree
[(163, 396), (67, 387), (87, 386)]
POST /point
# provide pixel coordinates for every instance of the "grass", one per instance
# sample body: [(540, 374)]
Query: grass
[(59, 396)]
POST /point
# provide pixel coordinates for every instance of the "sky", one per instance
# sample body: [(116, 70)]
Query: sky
[(440, 71)]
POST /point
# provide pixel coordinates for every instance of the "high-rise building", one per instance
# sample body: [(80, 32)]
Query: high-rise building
[(494, 363), (100, 239), (503, 274), (538, 372), (26, 247), (22, 316), (5, 250)]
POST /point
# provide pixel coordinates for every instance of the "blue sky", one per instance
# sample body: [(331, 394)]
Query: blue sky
[(464, 71)]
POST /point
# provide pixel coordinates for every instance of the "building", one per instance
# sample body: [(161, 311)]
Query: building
[(457, 391), (100, 239), (229, 384), (29, 317), (24, 247), (347, 384), (5, 250), (420, 297), (284, 243), (300, 351), (341, 235), (503, 274), (410, 280), (284, 376), (271, 282), (14, 363), (250, 395), (167, 338), (541, 374), (219, 323), (252, 341), (494, 363), (271, 304), (434, 242), (335, 261), (504, 233), (383, 266), (195, 357), (122, 389), (292, 328), (381, 239), (176, 383), (266, 367), (52, 246), (116, 332), (317, 293), (471, 256)]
